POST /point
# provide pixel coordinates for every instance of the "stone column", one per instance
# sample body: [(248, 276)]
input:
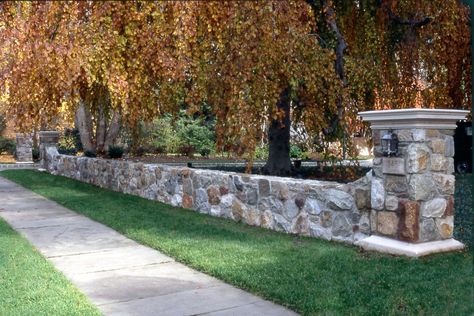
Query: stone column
[(24, 148), (48, 139), (412, 196)]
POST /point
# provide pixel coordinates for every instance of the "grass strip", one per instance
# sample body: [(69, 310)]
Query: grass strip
[(30, 285), (310, 276)]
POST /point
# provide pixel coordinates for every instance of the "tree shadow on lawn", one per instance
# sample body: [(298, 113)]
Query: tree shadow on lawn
[(308, 275)]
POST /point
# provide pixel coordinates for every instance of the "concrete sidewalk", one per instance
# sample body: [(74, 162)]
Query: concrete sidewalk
[(119, 275)]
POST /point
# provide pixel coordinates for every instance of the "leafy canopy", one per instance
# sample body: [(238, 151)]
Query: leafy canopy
[(156, 57)]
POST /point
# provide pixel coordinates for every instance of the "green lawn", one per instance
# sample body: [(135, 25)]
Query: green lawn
[(29, 284), (310, 276)]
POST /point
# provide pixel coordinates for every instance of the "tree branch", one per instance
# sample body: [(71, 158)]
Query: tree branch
[(341, 46), (414, 23)]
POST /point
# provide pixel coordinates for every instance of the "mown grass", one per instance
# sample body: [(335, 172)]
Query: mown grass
[(30, 285), (310, 276)]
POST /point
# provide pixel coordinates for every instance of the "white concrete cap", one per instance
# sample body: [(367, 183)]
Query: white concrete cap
[(401, 248), (414, 118)]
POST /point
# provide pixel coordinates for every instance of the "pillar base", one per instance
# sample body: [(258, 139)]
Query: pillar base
[(401, 248)]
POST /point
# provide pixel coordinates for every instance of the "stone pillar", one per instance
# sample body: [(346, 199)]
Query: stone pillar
[(47, 139), (412, 196), (24, 148)]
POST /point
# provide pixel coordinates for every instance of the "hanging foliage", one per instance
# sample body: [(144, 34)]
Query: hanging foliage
[(129, 61)]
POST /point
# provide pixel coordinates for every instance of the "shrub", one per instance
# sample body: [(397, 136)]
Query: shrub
[(164, 135), (115, 152), (67, 144), (160, 150), (261, 152), (295, 151), (140, 151), (7, 146), (71, 151), (90, 153), (193, 133), (187, 150), (36, 154), (205, 152), (74, 138)]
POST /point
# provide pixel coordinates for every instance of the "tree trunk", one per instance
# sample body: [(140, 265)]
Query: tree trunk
[(101, 129), (113, 131), (279, 163), (83, 121)]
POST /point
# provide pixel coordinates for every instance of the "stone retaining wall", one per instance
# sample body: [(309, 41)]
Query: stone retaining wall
[(326, 210)]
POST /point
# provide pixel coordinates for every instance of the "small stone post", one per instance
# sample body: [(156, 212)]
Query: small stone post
[(412, 195), (24, 148), (47, 139)]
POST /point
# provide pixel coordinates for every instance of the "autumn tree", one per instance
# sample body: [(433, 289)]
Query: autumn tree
[(100, 63), (260, 65)]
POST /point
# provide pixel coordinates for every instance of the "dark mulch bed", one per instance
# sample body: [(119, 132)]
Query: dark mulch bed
[(343, 174)]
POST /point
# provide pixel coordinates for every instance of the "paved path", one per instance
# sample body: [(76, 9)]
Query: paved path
[(119, 275)]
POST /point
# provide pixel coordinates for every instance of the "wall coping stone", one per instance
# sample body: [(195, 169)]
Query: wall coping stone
[(402, 248), (414, 118)]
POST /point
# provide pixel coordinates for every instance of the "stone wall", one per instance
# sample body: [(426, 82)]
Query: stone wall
[(24, 148), (326, 210), (412, 195)]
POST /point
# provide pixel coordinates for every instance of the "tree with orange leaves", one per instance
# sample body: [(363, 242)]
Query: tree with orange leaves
[(259, 64)]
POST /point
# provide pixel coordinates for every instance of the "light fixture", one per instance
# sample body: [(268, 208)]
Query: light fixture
[(390, 144)]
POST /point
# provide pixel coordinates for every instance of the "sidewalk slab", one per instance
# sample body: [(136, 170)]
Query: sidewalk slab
[(108, 260), (192, 302), (83, 236), (119, 275), (126, 284)]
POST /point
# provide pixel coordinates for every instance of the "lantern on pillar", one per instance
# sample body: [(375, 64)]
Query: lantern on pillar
[(390, 144)]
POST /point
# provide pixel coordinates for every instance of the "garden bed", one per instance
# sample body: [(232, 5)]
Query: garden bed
[(341, 171), (309, 170)]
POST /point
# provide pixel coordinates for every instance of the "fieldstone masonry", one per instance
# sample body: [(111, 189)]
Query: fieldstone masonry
[(412, 194), (47, 139), (24, 148), (327, 210), (404, 200)]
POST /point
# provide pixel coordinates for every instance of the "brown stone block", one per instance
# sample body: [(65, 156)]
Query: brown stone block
[(387, 223), (223, 190), (445, 227), (445, 183), (214, 195), (438, 146), (432, 133), (408, 227), (187, 201), (418, 158), (186, 172), (396, 184), (449, 207)]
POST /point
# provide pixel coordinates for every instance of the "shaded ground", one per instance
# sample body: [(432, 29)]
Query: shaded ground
[(310, 276), (464, 215)]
